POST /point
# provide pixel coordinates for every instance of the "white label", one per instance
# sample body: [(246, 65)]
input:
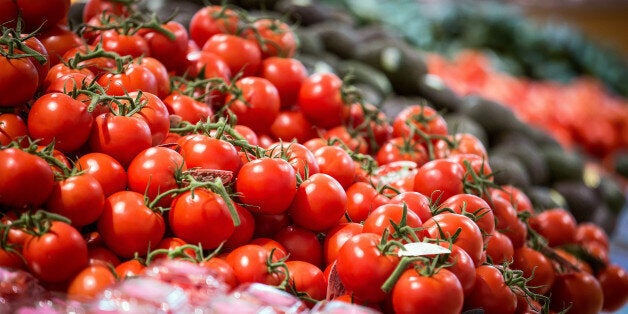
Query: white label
[(422, 248)]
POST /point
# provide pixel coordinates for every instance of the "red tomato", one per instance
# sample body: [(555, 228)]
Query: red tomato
[(60, 118), (336, 238), (223, 270), (267, 225), (363, 268), (94, 8), (130, 268), (490, 292), (578, 291), (535, 266), (211, 20), (11, 259), (557, 225), (475, 208), (91, 281), (445, 225), (353, 141), (439, 179), (241, 55), (135, 77), (320, 100), (400, 148), (307, 278), (440, 292), (425, 119), (170, 52), (515, 196), (250, 264), (279, 251), (79, 198), (301, 244), (201, 217), (188, 108), (287, 74), (42, 16), (20, 81), (499, 248), (12, 127), (336, 162), (362, 199), (590, 232), (416, 202), (27, 179), (205, 152), (100, 254), (119, 228), (160, 72), (57, 255), (244, 232), (132, 45), (255, 104), (106, 169), (508, 222), (274, 37), (292, 125), (266, 185), (302, 159), (208, 65), (614, 281), (121, 137), (319, 203), (58, 39), (461, 265), (384, 216)]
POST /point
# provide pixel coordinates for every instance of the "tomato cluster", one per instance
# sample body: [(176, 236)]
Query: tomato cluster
[(133, 140)]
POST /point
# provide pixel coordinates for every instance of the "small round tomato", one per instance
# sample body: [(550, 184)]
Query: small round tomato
[(362, 199), (274, 37), (301, 158), (416, 202), (135, 77), (384, 216), (307, 278), (130, 268), (439, 179), (79, 198), (320, 100), (133, 45), (336, 238), (557, 225), (244, 232), (535, 266), (241, 55), (420, 117), (188, 108), (58, 39), (91, 281), (205, 152), (120, 137), (475, 208), (301, 244), (21, 80), (12, 128), (266, 185), (445, 225), (400, 148), (106, 169), (336, 162), (507, 221), (256, 104), (579, 291), (292, 125), (27, 179), (250, 264), (490, 292), (287, 74), (170, 52), (155, 113), (590, 232), (440, 292), (614, 281), (223, 270), (211, 20), (499, 248), (319, 203)]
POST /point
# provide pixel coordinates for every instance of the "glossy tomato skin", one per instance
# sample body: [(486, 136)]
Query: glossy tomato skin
[(266, 185), (307, 278), (499, 248), (171, 53), (212, 20), (244, 232), (383, 217), (439, 179), (20, 81), (474, 207), (362, 199), (319, 203), (121, 137), (336, 238), (580, 291), (27, 180), (363, 268), (336, 162), (188, 108), (91, 281), (424, 118), (292, 125), (535, 266), (490, 292), (79, 198), (287, 74), (205, 152), (416, 202), (106, 169), (614, 281), (135, 77), (557, 225), (241, 55), (56, 256), (12, 127), (439, 293), (249, 263), (58, 39), (118, 225), (274, 37), (469, 239), (301, 244), (321, 101), (60, 118), (302, 159), (201, 217), (256, 104), (42, 15)]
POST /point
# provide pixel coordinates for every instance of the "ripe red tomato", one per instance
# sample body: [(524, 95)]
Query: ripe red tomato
[(535, 266), (307, 278), (250, 264), (94, 8), (383, 217), (21, 81), (579, 291), (121, 137), (274, 37), (133, 45), (590, 232), (362, 199), (91, 281), (119, 228), (490, 292), (508, 222), (440, 292), (439, 179), (499, 248), (301, 158), (58, 39), (223, 270), (336, 238), (301, 244), (170, 52), (319, 203), (255, 104), (60, 118), (320, 100), (211, 20), (292, 125), (12, 127), (244, 232), (557, 225), (205, 152), (445, 225), (287, 74), (42, 16), (416, 202), (188, 108), (79, 198), (57, 255), (363, 268), (614, 281), (130, 268), (106, 169), (336, 162), (400, 148), (475, 208), (241, 55), (424, 118), (352, 140), (266, 185), (27, 179), (461, 265)]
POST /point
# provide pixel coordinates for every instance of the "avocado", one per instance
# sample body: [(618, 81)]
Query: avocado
[(365, 74), (611, 194), (494, 117), (621, 163), (508, 170), (581, 199), (432, 88), (304, 13), (459, 123), (543, 198), (526, 151), (563, 164)]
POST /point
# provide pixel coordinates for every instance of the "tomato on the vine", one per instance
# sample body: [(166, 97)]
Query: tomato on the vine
[(319, 203), (266, 185), (27, 179), (439, 292)]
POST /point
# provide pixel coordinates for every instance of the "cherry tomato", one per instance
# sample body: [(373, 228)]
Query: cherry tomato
[(12, 127), (590, 232), (205, 152), (535, 266), (79, 198), (400, 148), (614, 281), (499, 248), (336, 162), (416, 202), (301, 244), (490, 292), (274, 37), (440, 292), (256, 103), (423, 118), (475, 208), (445, 225), (439, 180), (130, 268), (91, 281), (557, 225), (58, 39), (121, 137), (27, 179), (384, 216), (244, 232), (170, 52), (250, 264), (287, 74), (307, 278), (301, 158), (132, 45), (37, 16), (212, 20), (266, 185), (106, 169), (20, 81), (320, 100), (362, 199), (319, 203), (241, 55), (135, 77), (223, 270), (188, 108), (336, 238), (292, 125), (580, 291)]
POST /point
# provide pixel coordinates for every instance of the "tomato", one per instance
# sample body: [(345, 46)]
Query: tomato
[(12, 127), (59, 117), (205, 64), (118, 224), (461, 265), (91, 281), (301, 244), (79, 198), (241, 55), (42, 68), (400, 148), (292, 125), (222, 269), (519, 200), (160, 72), (473, 164), (133, 45), (106, 169), (557, 225), (440, 292), (307, 278), (170, 52), (590, 232), (205, 152), (27, 179), (153, 171), (188, 108), (319, 203), (58, 39), (11, 259), (363, 268), (57, 255), (475, 208), (507, 221), (336, 238), (99, 254), (121, 137), (130, 268), (352, 140), (416, 202), (384, 216), (250, 264), (573, 260), (499, 248), (266, 185), (490, 292), (302, 159), (425, 119), (362, 199), (439, 179), (255, 104), (19, 81), (37, 16), (95, 8), (267, 225), (336, 162), (134, 77), (445, 225), (320, 100), (274, 37), (614, 281), (201, 217), (244, 232), (279, 251), (287, 74), (211, 20), (578, 291), (535, 266), (467, 143)]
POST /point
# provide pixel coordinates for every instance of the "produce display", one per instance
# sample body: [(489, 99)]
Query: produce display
[(279, 157)]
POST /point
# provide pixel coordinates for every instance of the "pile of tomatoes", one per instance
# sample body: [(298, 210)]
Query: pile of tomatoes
[(131, 140)]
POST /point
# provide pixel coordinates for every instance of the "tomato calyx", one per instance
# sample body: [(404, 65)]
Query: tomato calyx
[(518, 283), (477, 183), (12, 45), (36, 224), (425, 266), (77, 61), (402, 231), (192, 86), (128, 25)]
